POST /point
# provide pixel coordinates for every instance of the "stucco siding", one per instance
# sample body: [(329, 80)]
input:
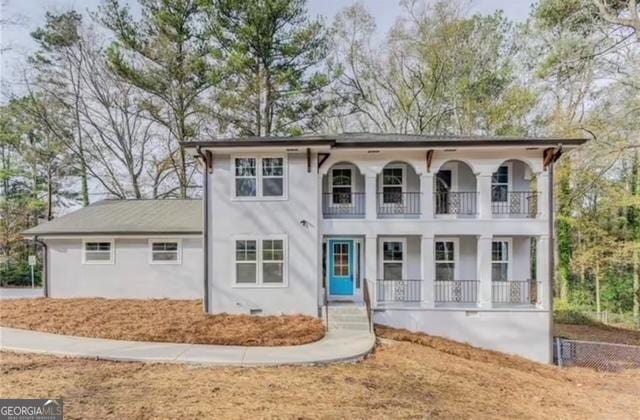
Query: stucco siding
[(131, 276)]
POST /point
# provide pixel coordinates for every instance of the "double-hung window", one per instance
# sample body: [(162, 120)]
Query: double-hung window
[(341, 185), (392, 185), (165, 251), (97, 252), (500, 260), (259, 177), (260, 262), (500, 185), (445, 260), (393, 260)]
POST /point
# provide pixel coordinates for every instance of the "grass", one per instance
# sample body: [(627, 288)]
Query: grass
[(597, 332), (156, 320), (409, 376)]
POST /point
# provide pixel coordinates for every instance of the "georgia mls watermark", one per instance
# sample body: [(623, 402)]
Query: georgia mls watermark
[(30, 409)]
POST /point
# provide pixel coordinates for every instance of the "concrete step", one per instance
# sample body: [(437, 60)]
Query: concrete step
[(348, 318), (357, 326)]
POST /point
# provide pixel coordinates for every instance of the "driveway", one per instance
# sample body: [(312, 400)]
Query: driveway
[(20, 293)]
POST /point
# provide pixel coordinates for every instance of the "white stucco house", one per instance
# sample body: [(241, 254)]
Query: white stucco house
[(447, 235)]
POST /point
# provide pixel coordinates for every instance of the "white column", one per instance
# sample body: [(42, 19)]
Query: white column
[(371, 196), (371, 265), (428, 271), (484, 195), (484, 271), (542, 271), (426, 199), (542, 181)]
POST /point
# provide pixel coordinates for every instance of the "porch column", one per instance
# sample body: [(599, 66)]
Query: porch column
[(426, 198), (542, 185), (542, 272), (484, 195), (428, 271), (484, 271), (371, 196), (371, 265)]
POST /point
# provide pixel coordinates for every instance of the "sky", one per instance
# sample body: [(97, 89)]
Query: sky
[(29, 14)]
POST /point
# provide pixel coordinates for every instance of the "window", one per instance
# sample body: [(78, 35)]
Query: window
[(341, 266), (500, 260), (98, 252), (445, 260), (392, 185), (341, 185), (260, 262), (500, 185), (165, 251), (256, 177), (393, 260)]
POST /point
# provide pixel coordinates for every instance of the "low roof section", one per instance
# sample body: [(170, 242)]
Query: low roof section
[(126, 217)]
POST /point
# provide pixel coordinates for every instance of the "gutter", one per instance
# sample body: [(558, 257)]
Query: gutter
[(205, 228), (45, 265)]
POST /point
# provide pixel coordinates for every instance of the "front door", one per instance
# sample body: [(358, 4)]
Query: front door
[(341, 267)]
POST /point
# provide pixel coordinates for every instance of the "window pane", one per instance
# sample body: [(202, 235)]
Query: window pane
[(392, 195), (499, 272), (392, 176), (91, 246), (444, 272), (97, 256), (245, 187), (500, 251), (499, 193), (246, 273), (392, 271), (245, 167), (272, 250), (165, 256), (341, 195), (392, 251), (273, 167), (501, 176), (272, 273), (445, 251), (341, 177), (245, 250), (272, 187)]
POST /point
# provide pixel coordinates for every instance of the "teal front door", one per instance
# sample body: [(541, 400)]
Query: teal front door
[(341, 267)]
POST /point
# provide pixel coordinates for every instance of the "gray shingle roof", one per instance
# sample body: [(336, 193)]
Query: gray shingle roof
[(127, 217)]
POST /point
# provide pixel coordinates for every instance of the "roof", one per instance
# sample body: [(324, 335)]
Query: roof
[(127, 217), (385, 140)]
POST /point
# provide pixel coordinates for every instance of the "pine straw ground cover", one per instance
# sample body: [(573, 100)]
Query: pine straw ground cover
[(156, 320), (598, 332), (409, 376)]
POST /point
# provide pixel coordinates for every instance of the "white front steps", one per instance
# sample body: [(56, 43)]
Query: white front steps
[(347, 316)]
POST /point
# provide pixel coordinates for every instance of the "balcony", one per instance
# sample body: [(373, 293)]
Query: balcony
[(341, 205), (514, 203), (463, 292), (456, 203), (510, 293), (398, 291), (398, 204)]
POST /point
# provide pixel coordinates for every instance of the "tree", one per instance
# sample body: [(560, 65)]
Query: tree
[(166, 55), (272, 54)]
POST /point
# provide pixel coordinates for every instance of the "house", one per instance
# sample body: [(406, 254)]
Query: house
[(447, 235)]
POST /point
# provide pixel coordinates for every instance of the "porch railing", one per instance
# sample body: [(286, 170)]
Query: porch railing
[(343, 205), (514, 292), (398, 203), (449, 202), (521, 203), (456, 291), (398, 290)]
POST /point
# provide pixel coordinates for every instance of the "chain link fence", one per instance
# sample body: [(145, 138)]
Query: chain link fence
[(600, 356)]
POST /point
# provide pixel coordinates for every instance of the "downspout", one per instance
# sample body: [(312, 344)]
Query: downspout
[(45, 265), (552, 263), (205, 227)]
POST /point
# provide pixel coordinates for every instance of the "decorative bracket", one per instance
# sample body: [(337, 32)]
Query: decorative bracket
[(322, 158), (429, 159)]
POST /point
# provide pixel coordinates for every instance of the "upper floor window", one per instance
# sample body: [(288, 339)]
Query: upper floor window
[(256, 177), (392, 184), (97, 252), (341, 185), (500, 184)]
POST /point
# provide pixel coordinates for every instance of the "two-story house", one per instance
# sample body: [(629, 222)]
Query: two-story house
[(447, 235)]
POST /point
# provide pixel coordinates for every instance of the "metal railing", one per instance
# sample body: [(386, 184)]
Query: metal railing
[(449, 202), (514, 292), (398, 203), (398, 290), (345, 205), (521, 203), (456, 291), (367, 303)]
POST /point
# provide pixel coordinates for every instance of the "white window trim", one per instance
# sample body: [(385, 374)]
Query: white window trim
[(179, 251), (353, 185), (259, 177), (404, 177), (259, 267), (509, 182), (456, 256), (112, 249), (509, 261), (381, 261)]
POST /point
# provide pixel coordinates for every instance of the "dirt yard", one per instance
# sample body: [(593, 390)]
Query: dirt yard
[(414, 376), (598, 332), (156, 320)]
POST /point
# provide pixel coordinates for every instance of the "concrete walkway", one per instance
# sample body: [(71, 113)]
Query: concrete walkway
[(20, 293), (338, 345)]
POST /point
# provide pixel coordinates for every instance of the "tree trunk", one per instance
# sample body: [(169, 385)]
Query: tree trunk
[(636, 284), (597, 279)]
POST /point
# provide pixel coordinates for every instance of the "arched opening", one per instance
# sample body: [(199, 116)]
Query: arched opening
[(398, 190), (513, 190), (455, 190), (343, 191)]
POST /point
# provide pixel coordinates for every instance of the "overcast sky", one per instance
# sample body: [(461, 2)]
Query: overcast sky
[(30, 15)]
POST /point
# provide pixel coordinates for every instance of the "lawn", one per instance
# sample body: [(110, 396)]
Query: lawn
[(409, 375), (596, 331), (156, 320)]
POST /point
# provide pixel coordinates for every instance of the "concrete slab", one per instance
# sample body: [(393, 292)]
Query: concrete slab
[(20, 293)]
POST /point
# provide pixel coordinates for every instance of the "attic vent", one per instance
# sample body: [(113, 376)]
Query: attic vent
[(255, 311), (292, 150)]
